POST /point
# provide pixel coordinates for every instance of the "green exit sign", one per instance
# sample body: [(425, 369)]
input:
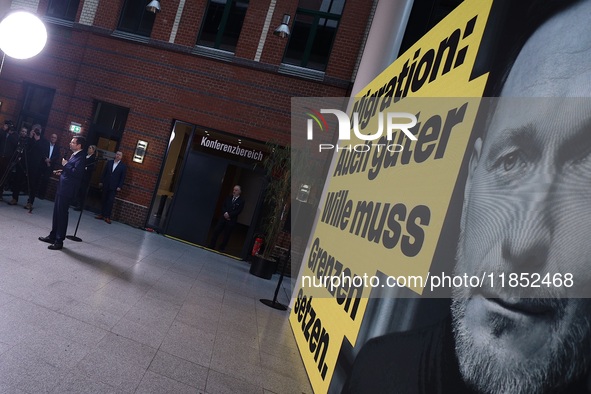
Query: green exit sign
[(75, 127)]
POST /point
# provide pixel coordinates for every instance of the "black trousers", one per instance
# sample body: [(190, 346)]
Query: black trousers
[(59, 224), (222, 227), (108, 202)]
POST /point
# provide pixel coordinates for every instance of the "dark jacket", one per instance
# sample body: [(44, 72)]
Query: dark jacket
[(72, 174), (55, 157), (233, 208), (112, 180), (11, 142), (36, 154)]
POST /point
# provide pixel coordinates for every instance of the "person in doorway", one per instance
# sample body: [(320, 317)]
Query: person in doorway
[(111, 183), (70, 177), (231, 208)]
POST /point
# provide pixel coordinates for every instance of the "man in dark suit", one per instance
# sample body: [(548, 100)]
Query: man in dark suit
[(232, 207), (111, 182), (70, 177)]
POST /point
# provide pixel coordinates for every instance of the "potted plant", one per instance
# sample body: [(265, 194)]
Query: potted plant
[(277, 165)]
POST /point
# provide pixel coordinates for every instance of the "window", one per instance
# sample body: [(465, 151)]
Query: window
[(106, 131), (36, 105), (109, 120), (108, 124), (63, 9), (136, 19), (313, 33), (222, 24)]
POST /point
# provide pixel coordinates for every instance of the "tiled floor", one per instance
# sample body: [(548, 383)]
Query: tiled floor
[(129, 311)]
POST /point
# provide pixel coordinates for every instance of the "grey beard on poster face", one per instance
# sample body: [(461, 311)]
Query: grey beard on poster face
[(558, 352)]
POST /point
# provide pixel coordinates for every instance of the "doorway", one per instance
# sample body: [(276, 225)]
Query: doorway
[(199, 172), (106, 131), (251, 183)]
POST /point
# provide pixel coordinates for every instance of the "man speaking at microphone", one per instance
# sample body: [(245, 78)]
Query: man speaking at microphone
[(70, 177)]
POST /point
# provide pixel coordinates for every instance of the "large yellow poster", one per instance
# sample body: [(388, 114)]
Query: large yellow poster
[(390, 185)]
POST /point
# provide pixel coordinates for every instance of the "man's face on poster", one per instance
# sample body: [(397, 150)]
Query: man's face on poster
[(527, 209)]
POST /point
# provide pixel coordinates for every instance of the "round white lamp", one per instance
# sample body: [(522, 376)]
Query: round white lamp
[(22, 35)]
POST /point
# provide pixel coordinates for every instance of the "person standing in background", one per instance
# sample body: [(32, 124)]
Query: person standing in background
[(232, 207), (6, 133), (111, 183), (37, 146)]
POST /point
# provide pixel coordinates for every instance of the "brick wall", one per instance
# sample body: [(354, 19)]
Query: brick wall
[(129, 213), (161, 82), (351, 29)]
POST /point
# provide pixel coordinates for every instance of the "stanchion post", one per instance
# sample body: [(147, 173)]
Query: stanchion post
[(274, 303)]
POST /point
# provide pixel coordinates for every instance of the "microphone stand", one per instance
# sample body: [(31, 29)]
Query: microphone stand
[(82, 204), (74, 237), (274, 303)]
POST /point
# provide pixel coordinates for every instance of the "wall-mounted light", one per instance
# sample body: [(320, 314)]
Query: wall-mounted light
[(140, 151), (153, 6), (283, 29)]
